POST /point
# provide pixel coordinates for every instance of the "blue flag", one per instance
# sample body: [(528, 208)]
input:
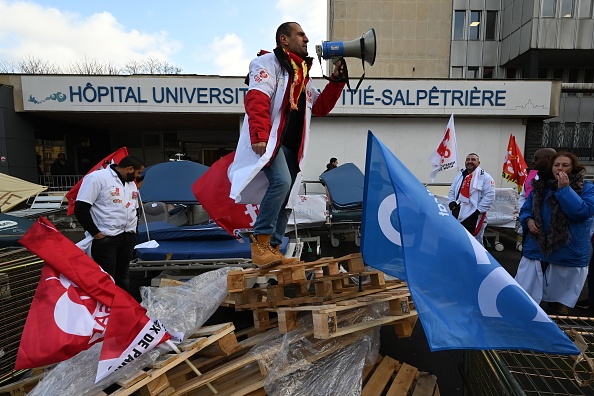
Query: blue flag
[(464, 298)]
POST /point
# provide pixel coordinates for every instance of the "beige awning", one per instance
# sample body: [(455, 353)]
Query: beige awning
[(13, 191)]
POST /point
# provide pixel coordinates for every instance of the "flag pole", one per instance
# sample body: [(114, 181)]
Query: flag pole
[(189, 363)]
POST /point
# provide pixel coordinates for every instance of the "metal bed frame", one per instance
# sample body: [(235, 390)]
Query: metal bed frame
[(522, 373)]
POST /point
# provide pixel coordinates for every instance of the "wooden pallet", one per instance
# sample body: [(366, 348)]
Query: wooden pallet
[(316, 291), (327, 319), (390, 377), (237, 281), (241, 377)]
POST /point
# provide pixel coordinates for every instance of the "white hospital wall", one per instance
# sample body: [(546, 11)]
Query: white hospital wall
[(412, 140)]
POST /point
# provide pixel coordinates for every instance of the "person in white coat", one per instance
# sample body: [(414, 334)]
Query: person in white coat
[(471, 196), (273, 139)]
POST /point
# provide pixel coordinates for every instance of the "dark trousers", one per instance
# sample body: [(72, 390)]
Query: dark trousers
[(113, 254), (470, 222)]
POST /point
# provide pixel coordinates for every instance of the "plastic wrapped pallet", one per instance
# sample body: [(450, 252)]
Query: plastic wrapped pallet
[(298, 364), (183, 309)]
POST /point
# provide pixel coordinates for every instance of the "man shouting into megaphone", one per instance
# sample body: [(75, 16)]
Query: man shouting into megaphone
[(273, 140)]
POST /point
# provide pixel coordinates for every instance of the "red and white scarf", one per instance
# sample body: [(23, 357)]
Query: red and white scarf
[(300, 70)]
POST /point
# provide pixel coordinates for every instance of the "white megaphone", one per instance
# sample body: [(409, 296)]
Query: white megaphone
[(362, 48)]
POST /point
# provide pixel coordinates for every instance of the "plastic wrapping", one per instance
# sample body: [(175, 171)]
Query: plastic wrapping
[(186, 307), (183, 308), (298, 364), (76, 376)]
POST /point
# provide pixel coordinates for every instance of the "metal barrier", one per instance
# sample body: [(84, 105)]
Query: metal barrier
[(521, 373), (59, 183)]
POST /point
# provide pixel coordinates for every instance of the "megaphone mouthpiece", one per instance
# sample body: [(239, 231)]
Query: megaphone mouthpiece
[(363, 48)]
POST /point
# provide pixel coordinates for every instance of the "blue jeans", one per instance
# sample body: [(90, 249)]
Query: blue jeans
[(273, 216)]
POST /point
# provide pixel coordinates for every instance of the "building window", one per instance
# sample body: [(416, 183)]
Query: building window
[(584, 9), (488, 72), (510, 72), (457, 72), (566, 9), (548, 8), (543, 72), (589, 75), (572, 75), (474, 28), (459, 17), (491, 26), (558, 73), (472, 72)]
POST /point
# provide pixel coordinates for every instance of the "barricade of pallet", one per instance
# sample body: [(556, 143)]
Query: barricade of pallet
[(303, 283)]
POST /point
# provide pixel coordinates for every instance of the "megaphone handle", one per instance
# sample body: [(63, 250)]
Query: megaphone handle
[(362, 42)]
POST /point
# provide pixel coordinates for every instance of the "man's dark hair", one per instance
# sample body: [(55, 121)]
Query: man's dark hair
[(131, 160), (284, 28), (333, 159)]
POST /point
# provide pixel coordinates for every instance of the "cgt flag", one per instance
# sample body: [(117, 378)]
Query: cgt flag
[(445, 156), (464, 298), (212, 191), (76, 305), (515, 169), (112, 158)]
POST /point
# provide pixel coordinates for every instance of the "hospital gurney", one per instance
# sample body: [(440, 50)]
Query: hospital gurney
[(502, 214), (205, 247), (344, 186)]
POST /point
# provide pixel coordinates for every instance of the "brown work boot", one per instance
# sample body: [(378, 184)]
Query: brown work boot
[(285, 260), (262, 254)]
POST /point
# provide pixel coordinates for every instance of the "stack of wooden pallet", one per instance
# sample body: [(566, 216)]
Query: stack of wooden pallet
[(326, 289), (215, 360)]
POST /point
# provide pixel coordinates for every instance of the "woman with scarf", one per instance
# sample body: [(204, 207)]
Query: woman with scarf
[(556, 219)]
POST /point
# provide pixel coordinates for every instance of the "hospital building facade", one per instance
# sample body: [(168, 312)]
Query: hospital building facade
[(501, 67)]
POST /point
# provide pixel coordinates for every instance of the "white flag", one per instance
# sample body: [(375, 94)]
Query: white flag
[(445, 156)]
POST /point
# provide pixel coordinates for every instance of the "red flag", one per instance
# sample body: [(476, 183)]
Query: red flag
[(114, 157), (78, 304), (515, 169), (212, 191)]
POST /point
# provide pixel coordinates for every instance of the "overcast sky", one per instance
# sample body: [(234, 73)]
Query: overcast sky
[(201, 37)]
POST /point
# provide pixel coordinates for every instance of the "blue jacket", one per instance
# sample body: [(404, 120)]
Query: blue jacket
[(579, 209)]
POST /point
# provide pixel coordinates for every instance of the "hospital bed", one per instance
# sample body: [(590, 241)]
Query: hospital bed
[(344, 187), (503, 214), (205, 246)]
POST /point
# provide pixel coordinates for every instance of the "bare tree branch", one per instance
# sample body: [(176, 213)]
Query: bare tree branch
[(89, 66), (7, 66), (32, 65)]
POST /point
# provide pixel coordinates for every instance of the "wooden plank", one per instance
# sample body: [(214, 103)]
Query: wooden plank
[(381, 377), (241, 382), (166, 282), (340, 331), (226, 346), (129, 382), (214, 374), (156, 386), (403, 381), (368, 369)]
